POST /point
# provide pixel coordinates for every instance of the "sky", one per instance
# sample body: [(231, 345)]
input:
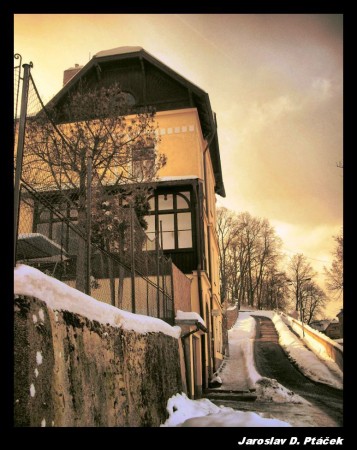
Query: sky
[(275, 83)]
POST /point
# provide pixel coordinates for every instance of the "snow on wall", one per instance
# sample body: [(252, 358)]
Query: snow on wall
[(329, 351), (178, 178), (59, 296), (319, 348), (182, 315)]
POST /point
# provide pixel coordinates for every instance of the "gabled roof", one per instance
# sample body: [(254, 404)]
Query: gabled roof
[(198, 98)]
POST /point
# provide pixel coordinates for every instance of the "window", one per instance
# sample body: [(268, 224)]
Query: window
[(53, 227), (143, 162), (171, 216)]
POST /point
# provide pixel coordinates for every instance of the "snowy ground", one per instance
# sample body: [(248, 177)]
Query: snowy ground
[(318, 367), (238, 373)]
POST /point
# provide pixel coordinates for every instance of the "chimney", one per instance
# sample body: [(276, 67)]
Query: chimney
[(68, 74)]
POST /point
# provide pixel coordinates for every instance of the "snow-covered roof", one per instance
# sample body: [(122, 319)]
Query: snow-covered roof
[(118, 51), (61, 297), (190, 315), (178, 178), (37, 245), (320, 325)]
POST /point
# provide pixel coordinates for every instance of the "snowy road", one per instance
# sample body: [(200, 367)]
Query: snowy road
[(257, 360), (272, 362), (283, 395)]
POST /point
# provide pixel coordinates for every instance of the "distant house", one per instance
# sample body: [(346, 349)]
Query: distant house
[(329, 327)]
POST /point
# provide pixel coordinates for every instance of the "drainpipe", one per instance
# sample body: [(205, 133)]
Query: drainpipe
[(209, 244), (199, 215), (199, 280), (199, 327)]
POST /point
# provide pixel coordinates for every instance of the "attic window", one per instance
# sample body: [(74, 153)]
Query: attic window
[(129, 98)]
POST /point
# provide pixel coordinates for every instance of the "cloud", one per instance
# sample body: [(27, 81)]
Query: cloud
[(322, 87)]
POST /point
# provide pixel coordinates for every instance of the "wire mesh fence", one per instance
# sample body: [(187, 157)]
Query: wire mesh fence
[(81, 226)]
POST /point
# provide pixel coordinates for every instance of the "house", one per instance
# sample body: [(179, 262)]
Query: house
[(329, 327), (320, 325), (183, 200)]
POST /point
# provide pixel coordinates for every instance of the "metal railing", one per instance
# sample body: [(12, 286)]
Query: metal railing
[(88, 237)]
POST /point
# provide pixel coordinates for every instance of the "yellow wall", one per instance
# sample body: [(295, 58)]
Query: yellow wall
[(181, 142), (26, 217)]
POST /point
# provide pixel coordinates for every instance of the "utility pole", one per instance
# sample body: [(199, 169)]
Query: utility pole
[(20, 150)]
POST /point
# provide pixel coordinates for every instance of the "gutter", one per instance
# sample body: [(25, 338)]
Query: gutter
[(199, 216), (199, 327), (209, 244)]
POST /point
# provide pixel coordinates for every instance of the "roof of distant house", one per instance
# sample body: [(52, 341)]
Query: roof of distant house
[(322, 325)]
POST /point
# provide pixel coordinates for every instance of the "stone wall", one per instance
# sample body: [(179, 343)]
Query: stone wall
[(72, 371), (232, 316)]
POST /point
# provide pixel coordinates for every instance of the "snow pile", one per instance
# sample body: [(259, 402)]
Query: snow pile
[(184, 412), (216, 379), (232, 308), (305, 359), (60, 297), (190, 315), (181, 408), (269, 389), (229, 417)]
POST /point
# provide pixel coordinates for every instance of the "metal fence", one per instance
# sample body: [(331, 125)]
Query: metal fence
[(82, 232)]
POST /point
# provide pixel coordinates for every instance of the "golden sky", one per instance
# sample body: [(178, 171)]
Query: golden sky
[(275, 83)]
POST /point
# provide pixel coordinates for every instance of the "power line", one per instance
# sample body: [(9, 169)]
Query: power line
[(308, 257)]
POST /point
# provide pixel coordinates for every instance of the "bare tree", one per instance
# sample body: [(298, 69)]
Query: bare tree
[(313, 301), (300, 272), (96, 135), (225, 228), (275, 290), (334, 275), (249, 252)]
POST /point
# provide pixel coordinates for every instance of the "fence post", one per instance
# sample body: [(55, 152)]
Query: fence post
[(20, 150), (164, 299), (132, 257), (157, 272), (172, 292), (89, 222)]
